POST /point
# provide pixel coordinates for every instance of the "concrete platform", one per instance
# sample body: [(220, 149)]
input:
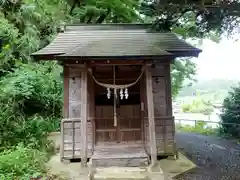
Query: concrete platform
[(170, 169), (174, 169), (121, 173)]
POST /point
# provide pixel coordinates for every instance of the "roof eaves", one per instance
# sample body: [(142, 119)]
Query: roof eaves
[(130, 57), (187, 53), (45, 56)]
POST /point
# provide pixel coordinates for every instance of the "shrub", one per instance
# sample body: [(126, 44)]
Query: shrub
[(33, 88), (31, 104), (22, 163), (32, 131)]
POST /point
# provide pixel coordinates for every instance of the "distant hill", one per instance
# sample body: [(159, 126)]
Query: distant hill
[(208, 87)]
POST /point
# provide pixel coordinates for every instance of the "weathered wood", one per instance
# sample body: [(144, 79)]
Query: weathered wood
[(115, 62), (145, 115), (168, 90), (66, 91), (65, 105), (134, 122), (91, 109), (142, 110), (131, 154), (169, 103), (84, 114), (152, 133), (164, 121), (128, 126), (72, 141)]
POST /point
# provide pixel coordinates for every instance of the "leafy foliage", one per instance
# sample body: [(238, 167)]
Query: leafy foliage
[(231, 113), (197, 18), (30, 93), (26, 26), (22, 163), (28, 90), (33, 88), (99, 11), (182, 70)]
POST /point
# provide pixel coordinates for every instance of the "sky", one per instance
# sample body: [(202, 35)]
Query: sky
[(219, 61)]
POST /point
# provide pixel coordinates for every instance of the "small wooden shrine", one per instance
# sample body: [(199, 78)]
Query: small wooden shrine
[(117, 92)]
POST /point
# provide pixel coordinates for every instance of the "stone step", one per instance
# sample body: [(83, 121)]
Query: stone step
[(120, 173)]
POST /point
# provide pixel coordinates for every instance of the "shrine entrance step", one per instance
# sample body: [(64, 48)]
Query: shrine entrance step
[(120, 155)]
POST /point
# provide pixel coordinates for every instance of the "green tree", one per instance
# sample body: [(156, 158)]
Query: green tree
[(191, 19), (99, 11), (26, 26), (231, 113)]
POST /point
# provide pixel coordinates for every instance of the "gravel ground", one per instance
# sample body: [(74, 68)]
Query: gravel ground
[(216, 158)]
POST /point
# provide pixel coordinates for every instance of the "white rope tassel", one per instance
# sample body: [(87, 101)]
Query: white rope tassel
[(126, 93), (108, 93), (121, 94)]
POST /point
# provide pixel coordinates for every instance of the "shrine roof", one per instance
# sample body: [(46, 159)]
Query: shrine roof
[(115, 40)]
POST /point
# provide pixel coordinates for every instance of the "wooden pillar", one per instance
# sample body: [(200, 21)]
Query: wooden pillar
[(169, 103), (142, 111), (151, 119), (84, 113), (65, 106), (168, 89)]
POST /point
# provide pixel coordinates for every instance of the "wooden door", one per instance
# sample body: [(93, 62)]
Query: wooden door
[(129, 122), (104, 123)]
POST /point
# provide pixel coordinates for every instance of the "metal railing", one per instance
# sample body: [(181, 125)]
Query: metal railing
[(196, 125), (193, 123)]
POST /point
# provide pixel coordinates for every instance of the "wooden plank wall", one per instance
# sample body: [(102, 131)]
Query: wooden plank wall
[(164, 123), (162, 109), (72, 128)]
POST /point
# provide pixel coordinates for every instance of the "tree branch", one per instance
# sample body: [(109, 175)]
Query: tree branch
[(103, 16), (76, 2)]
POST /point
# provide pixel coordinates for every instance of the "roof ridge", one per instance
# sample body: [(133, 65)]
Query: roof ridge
[(107, 26)]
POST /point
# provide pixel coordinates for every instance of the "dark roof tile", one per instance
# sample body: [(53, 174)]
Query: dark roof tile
[(114, 40)]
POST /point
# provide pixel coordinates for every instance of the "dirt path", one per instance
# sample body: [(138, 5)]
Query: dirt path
[(216, 158)]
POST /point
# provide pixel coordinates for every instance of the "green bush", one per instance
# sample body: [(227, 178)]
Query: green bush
[(31, 104), (31, 131), (33, 88), (231, 113), (22, 163)]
